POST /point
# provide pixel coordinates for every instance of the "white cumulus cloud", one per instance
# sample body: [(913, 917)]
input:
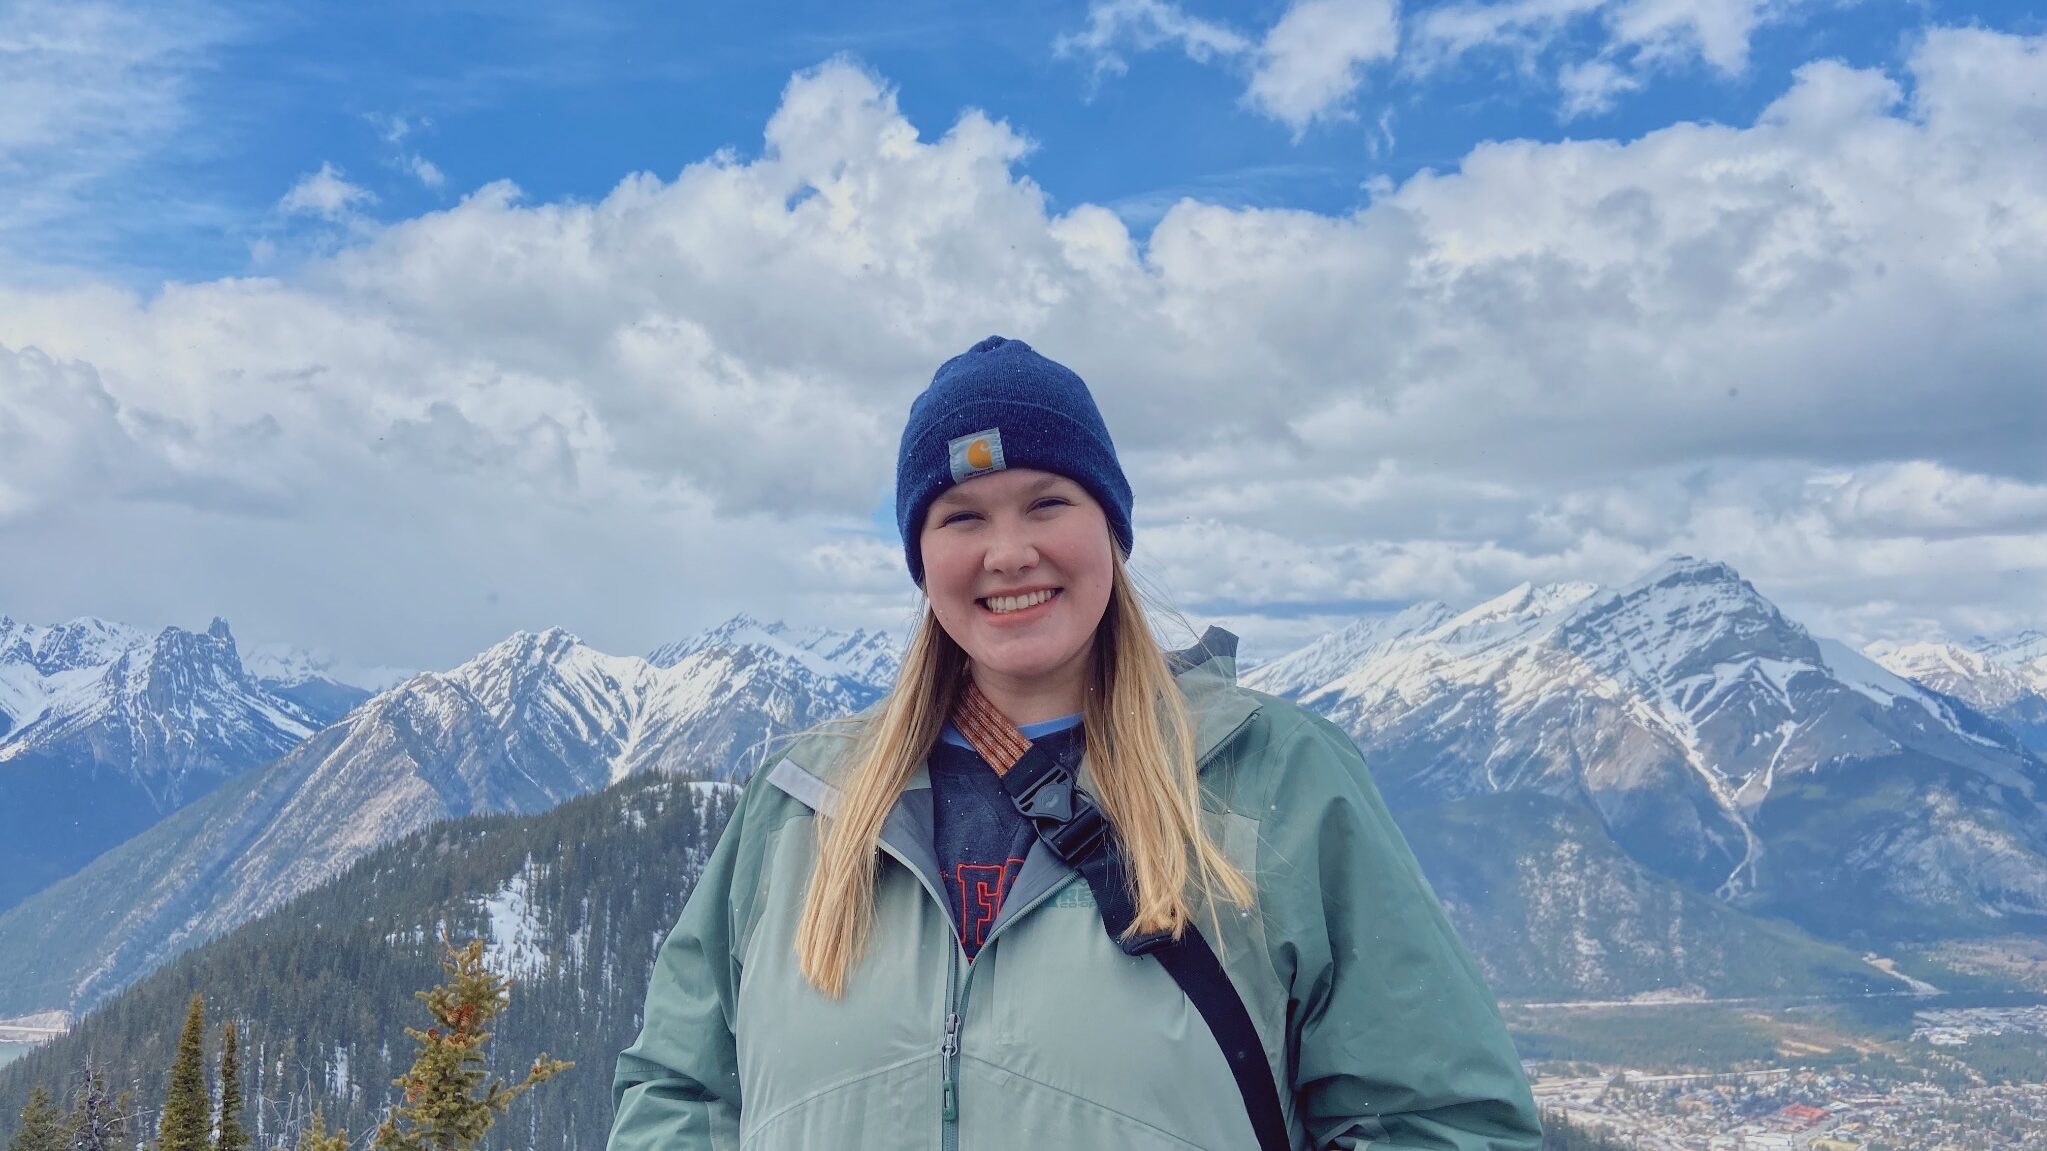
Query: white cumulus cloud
[(326, 194), (1312, 61), (1306, 67), (1113, 25), (1596, 49)]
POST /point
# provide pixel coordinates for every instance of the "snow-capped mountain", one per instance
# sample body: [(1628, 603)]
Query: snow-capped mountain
[(725, 694), (37, 662), (1718, 742), (161, 712), (2006, 680), (530, 722), (865, 656), (110, 729)]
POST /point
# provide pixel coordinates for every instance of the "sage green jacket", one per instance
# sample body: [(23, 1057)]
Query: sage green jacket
[(1377, 1025)]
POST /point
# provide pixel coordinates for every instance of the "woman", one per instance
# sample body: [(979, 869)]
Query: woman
[(886, 951)]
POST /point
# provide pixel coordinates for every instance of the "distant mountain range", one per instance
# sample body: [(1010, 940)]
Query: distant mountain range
[(1667, 786), (1716, 742), (105, 729), (532, 722), (2005, 680)]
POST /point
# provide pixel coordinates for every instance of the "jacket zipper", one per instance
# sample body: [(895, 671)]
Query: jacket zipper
[(955, 1011), (956, 1020), (949, 1055), (957, 989)]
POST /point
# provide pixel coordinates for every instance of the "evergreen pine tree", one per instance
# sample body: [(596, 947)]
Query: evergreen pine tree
[(442, 1110), (316, 1138), (42, 1126), (231, 1137), (187, 1106), (99, 1121)]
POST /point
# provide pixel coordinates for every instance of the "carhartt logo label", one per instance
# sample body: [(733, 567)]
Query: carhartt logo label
[(975, 454)]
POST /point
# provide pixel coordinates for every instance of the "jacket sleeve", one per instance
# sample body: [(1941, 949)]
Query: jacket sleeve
[(677, 1086), (1396, 1039)]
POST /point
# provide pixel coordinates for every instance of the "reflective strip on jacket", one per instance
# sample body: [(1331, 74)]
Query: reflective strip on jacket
[(1374, 1018)]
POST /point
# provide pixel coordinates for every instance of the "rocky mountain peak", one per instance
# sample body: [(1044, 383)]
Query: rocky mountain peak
[(83, 642), (1513, 613), (865, 657), (741, 630), (1683, 619)]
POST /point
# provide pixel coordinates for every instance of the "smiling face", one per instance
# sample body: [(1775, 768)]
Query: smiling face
[(1017, 566)]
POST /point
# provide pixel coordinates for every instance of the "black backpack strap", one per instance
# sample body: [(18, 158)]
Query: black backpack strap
[(1068, 821)]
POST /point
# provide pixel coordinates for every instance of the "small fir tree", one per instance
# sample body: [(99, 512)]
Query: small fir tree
[(188, 1106), (99, 1119), (231, 1136), (443, 1109), (316, 1138), (42, 1126)]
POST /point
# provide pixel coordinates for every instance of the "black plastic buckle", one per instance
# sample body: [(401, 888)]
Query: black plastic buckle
[(1145, 944), (1065, 816)]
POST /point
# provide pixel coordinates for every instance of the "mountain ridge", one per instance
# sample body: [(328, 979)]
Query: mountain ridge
[(109, 729), (1679, 705), (525, 725)]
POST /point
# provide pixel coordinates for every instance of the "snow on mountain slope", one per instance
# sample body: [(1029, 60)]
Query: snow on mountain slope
[(725, 698), (37, 662), (1678, 706), (22, 690), (1318, 666), (87, 641), (868, 657), (2004, 679), (523, 726), (1967, 675), (161, 711), (107, 729)]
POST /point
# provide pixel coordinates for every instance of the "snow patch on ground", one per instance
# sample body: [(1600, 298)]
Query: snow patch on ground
[(516, 945), (1858, 671), (338, 1083)]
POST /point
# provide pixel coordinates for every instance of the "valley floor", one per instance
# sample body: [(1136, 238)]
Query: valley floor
[(1799, 1110), (1944, 1073)]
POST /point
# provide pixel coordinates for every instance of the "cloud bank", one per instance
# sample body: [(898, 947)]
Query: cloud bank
[(1808, 345)]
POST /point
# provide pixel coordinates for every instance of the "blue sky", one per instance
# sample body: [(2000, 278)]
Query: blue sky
[(392, 328), (565, 99)]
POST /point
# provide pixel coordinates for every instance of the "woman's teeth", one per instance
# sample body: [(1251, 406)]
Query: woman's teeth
[(1008, 603)]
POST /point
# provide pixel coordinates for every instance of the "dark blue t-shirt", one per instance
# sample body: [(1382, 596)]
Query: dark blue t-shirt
[(980, 838)]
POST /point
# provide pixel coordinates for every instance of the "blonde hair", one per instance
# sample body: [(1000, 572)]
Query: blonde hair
[(1140, 748)]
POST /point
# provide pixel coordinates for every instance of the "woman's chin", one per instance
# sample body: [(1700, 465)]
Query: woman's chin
[(1023, 660)]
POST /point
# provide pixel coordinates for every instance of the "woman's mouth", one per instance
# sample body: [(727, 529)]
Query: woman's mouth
[(1022, 605)]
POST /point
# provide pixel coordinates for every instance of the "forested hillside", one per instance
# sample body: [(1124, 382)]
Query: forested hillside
[(574, 902)]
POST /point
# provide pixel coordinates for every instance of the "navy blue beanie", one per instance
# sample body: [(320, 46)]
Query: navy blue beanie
[(1000, 405)]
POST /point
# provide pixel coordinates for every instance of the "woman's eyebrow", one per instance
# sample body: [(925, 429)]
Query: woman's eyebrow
[(953, 497)]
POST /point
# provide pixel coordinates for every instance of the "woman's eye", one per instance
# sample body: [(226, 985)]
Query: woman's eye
[(1048, 501)]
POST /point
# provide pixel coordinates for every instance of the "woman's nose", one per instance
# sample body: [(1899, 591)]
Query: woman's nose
[(1010, 549)]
